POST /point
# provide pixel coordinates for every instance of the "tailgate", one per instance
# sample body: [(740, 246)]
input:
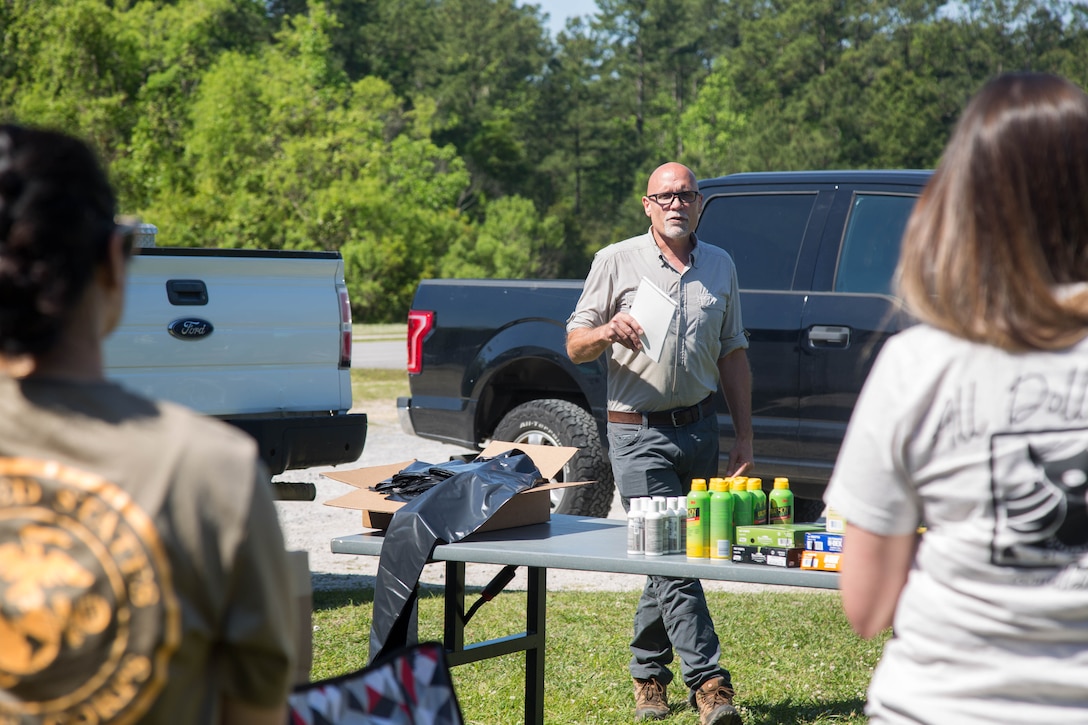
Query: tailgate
[(272, 339)]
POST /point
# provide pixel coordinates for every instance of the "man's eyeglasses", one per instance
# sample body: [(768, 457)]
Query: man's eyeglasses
[(665, 198)]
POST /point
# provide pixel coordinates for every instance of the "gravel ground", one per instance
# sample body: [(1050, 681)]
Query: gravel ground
[(310, 525)]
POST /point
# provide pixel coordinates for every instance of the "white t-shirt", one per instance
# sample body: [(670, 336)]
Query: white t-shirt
[(990, 450)]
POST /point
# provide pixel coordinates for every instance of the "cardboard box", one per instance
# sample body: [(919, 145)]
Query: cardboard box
[(823, 541), (783, 536), (532, 506), (768, 555), (821, 560)]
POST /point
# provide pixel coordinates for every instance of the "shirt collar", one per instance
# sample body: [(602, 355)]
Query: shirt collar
[(694, 248)]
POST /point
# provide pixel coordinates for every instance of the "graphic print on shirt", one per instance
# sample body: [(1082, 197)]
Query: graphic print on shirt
[(88, 614), (1040, 487)]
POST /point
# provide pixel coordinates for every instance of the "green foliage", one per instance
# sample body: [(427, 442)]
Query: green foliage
[(282, 151), (480, 73), (177, 43), (514, 241), (711, 127), (454, 137), (69, 66)]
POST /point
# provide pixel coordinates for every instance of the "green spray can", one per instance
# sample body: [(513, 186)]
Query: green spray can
[(759, 500), (698, 546), (742, 503), (721, 520), (780, 502)]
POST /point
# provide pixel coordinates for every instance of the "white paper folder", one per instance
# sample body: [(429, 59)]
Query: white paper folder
[(654, 310)]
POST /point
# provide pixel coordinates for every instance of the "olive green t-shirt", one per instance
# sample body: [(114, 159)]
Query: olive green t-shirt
[(142, 568)]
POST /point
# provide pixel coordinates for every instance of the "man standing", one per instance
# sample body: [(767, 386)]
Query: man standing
[(662, 428)]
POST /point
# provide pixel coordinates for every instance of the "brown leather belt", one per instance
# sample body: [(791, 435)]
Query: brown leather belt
[(660, 418)]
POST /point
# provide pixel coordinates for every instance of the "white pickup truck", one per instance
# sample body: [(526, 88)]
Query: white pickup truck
[(260, 339)]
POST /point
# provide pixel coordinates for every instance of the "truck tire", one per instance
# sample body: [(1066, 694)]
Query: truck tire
[(551, 422)]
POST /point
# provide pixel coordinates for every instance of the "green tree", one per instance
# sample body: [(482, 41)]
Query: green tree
[(283, 152), (69, 66), (481, 74), (176, 44), (513, 241), (586, 146), (712, 125), (396, 42)]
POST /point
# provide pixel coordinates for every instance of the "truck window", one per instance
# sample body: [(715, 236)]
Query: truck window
[(870, 248), (762, 232)]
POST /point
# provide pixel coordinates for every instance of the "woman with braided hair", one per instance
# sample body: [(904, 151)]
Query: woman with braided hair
[(144, 576)]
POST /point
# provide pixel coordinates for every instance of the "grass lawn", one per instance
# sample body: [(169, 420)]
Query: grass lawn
[(377, 384), (793, 658)]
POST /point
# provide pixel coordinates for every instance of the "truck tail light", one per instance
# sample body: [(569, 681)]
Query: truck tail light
[(345, 326), (420, 323)]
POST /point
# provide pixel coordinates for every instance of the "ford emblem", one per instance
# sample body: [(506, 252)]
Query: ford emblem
[(190, 328)]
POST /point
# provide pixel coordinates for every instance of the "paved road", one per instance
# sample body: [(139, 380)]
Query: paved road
[(385, 354)]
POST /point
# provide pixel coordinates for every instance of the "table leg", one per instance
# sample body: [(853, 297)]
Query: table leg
[(453, 629), (535, 617), (531, 641)]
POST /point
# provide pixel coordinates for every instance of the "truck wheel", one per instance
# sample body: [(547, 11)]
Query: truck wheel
[(553, 422)]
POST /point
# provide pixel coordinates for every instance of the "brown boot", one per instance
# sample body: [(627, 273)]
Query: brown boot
[(651, 702), (714, 700)]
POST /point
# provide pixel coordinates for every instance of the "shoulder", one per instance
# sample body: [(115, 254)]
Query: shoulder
[(923, 342), (633, 245), (914, 363)]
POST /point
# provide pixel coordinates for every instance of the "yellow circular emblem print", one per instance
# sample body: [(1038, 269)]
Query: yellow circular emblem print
[(88, 614)]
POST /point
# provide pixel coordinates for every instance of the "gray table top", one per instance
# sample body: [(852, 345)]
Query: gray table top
[(589, 544)]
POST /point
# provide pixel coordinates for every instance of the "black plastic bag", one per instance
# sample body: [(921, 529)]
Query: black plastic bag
[(446, 513), (419, 477)]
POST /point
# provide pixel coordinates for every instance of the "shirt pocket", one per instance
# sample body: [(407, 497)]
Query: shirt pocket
[(710, 314), (626, 300)]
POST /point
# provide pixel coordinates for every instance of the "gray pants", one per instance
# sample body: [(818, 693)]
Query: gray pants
[(672, 613)]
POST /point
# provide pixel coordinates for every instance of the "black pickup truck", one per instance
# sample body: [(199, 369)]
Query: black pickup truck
[(815, 253)]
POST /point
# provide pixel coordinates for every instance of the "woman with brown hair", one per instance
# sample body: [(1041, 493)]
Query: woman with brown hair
[(144, 576), (975, 423)]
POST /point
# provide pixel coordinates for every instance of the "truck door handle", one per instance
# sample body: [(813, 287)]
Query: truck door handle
[(187, 292), (829, 336)]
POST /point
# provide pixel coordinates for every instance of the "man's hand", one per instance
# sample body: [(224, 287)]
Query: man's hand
[(625, 330), (587, 343), (741, 458)]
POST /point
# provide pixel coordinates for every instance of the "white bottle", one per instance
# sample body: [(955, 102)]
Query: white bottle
[(654, 531), (682, 514), (636, 522), (681, 524), (673, 523)]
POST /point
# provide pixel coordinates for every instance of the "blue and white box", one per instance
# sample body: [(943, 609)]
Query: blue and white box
[(823, 541)]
